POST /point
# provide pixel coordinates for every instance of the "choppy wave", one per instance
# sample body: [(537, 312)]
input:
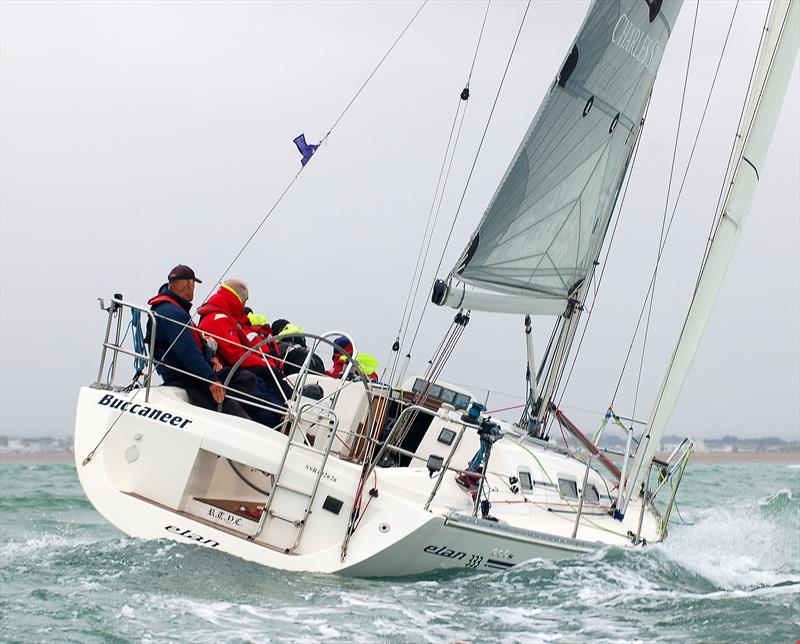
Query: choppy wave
[(734, 574), (742, 545)]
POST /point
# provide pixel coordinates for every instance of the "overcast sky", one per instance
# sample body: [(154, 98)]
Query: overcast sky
[(136, 136)]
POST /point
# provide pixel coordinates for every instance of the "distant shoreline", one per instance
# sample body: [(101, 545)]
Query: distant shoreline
[(42, 457), (745, 457), (700, 457)]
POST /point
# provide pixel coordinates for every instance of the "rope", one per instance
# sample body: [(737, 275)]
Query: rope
[(435, 366), (472, 169), (138, 341), (561, 496)]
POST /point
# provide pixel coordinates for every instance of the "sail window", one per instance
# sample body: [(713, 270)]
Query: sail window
[(588, 107), (537, 236), (569, 66), (614, 124), (655, 7), (568, 488), (525, 480)]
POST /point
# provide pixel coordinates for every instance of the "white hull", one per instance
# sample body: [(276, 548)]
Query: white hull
[(162, 472)]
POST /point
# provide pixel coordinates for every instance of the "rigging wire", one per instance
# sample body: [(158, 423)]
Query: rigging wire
[(264, 219), (430, 239), (424, 238), (678, 197), (433, 216), (472, 169), (323, 140), (637, 145), (718, 215), (419, 268), (677, 200), (666, 210), (477, 46), (369, 78)]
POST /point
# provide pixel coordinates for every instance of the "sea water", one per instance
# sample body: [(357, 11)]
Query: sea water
[(730, 571)]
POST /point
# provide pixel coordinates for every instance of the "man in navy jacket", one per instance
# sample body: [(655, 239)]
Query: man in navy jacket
[(180, 346)]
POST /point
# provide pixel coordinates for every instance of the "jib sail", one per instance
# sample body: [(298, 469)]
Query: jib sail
[(537, 241)]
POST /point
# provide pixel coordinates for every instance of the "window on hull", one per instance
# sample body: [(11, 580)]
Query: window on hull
[(568, 488)]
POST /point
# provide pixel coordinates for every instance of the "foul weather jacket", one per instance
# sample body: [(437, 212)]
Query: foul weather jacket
[(222, 317), (184, 347)]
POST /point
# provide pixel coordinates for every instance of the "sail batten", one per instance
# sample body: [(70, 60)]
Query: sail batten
[(545, 225)]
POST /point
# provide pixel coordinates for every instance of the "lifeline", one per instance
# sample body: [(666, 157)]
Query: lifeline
[(112, 401)]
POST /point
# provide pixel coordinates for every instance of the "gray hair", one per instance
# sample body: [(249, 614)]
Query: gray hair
[(240, 288)]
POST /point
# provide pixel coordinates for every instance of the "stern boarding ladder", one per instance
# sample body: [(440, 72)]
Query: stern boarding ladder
[(286, 512), (288, 507)]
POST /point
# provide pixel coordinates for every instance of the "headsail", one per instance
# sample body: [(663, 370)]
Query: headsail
[(776, 59), (539, 238)]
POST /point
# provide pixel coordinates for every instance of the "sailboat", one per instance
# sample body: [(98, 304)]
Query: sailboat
[(412, 475)]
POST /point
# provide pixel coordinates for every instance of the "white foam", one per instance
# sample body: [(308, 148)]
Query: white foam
[(734, 548), (782, 493), (48, 543)]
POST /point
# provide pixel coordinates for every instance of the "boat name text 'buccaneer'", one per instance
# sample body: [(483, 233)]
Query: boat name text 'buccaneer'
[(143, 410)]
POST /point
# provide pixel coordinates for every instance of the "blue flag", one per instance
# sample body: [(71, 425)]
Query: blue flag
[(305, 149)]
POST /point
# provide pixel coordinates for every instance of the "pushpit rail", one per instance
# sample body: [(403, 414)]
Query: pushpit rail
[(113, 347)]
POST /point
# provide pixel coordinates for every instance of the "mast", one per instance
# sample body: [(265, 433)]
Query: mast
[(776, 59)]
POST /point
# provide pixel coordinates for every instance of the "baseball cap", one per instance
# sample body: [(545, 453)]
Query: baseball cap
[(182, 272)]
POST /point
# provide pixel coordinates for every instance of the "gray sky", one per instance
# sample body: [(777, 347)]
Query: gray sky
[(139, 135)]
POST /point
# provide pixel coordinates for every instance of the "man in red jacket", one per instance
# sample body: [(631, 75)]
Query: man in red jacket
[(223, 318)]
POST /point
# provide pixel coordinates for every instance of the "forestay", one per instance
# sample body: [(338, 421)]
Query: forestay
[(776, 59), (544, 227)]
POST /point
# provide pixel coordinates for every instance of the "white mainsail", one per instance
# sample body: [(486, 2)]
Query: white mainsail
[(539, 238), (776, 59)]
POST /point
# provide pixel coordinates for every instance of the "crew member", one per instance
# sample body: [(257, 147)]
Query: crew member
[(182, 357), (342, 355), (293, 350), (223, 318)]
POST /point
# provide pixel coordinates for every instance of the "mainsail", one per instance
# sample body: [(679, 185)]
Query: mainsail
[(540, 236), (776, 59)]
